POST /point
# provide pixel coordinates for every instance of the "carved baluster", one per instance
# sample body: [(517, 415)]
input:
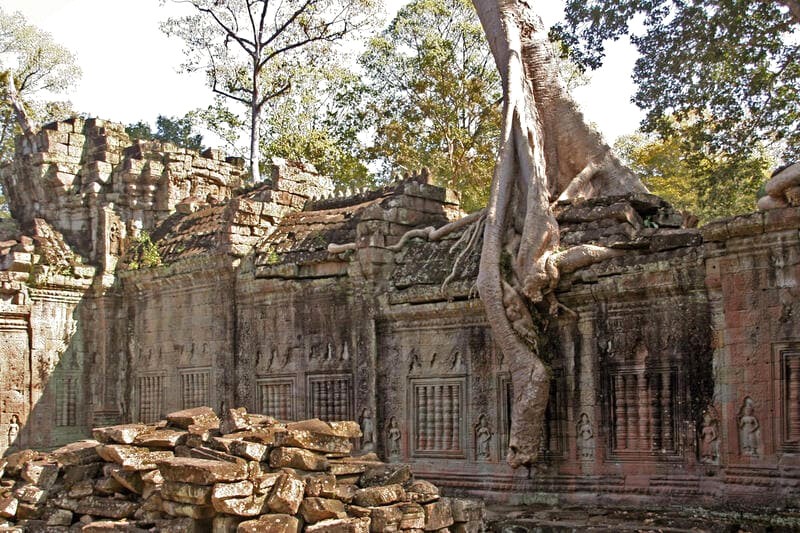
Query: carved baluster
[(631, 411), (643, 414), (793, 400), (620, 425), (420, 418), (447, 415), (431, 423), (455, 443), (666, 412)]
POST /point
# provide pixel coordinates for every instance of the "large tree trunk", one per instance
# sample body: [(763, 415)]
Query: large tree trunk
[(547, 152), (26, 123)]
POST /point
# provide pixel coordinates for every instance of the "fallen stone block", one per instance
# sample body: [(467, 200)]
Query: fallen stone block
[(201, 417), (226, 524), (340, 525), (105, 526), (186, 493), (317, 509), (286, 496), (195, 512), (422, 491), (240, 489), (413, 516), (121, 434), (254, 505), (438, 515), (385, 518), (249, 450), (41, 473), (272, 523), (466, 510), (132, 458), (386, 474), (163, 438), (375, 496), (314, 441), (8, 506), (321, 485), (297, 458), (200, 471)]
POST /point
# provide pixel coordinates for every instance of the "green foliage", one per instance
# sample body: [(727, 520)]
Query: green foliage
[(707, 184), (4, 213), (250, 50), (176, 130), (143, 253), (304, 127), (431, 96), (729, 67), (39, 66)]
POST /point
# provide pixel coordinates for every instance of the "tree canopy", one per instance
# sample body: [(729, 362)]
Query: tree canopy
[(177, 130), (432, 97), (726, 70)]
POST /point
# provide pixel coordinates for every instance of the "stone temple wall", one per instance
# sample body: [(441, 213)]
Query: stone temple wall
[(675, 367)]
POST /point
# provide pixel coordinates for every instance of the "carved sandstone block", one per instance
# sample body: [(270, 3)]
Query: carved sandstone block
[(201, 471), (197, 416), (297, 458), (186, 493), (286, 496), (374, 496), (317, 509), (274, 523)]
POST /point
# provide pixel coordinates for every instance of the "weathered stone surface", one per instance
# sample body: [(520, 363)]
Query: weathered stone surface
[(130, 480), (321, 485), (297, 458), (240, 489), (186, 493), (196, 512), (346, 428), (104, 526), (438, 515), (121, 434), (8, 506), (466, 510), (286, 496), (340, 525), (385, 518), (413, 516), (163, 438), (58, 517), (272, 523), (200, 471), (132, 458), (253, 505), (77, 453), (98, 506), (315, 509), (374, 496), (389, 474), (249, 450), (235, 420), (40, 473), (422, 491), (226, 523), (315, 441), (202, 417)]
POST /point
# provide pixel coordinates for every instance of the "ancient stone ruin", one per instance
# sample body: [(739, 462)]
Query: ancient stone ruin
[(246, 473), (138, 278)]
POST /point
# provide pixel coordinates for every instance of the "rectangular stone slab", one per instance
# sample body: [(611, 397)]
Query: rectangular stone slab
[(201, 471)]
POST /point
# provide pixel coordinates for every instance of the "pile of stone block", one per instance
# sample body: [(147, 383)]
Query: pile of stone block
[(246, 472)]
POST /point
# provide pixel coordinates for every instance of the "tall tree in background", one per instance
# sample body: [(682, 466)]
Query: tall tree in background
[(725, 71), (249, 49), (433, 97), (33, 68)]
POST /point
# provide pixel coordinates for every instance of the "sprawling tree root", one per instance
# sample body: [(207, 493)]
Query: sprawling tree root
[(783, 189), (546, 152)]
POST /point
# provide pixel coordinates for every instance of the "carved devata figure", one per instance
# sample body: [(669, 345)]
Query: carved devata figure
[(483, 439), (13, 430), (393, 440), (367, 431), (709, 437), (749, 430), (585, 437)]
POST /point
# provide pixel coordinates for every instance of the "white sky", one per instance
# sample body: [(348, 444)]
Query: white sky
[(130, 67)]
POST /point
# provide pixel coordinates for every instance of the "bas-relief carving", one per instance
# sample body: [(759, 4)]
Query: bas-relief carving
[(749, 430), (367, 430), (483, 439), (393, 438), (709, 437), (585, 438)]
